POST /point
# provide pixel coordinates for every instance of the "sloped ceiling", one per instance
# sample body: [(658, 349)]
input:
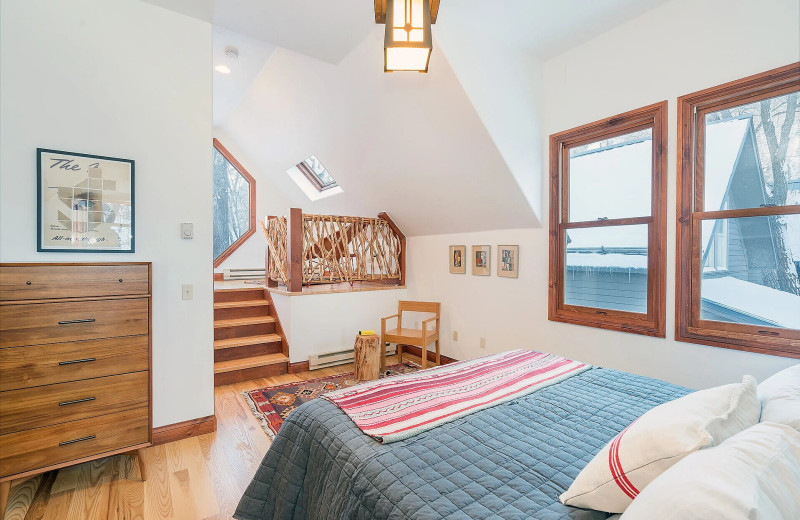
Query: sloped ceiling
[(408, 144)]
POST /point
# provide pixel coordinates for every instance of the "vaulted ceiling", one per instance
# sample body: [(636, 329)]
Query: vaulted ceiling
[(458, 149)]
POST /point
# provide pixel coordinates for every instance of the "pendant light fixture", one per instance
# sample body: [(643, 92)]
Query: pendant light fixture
[(408, 44)]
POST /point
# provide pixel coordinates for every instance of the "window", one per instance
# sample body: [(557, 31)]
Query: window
[(607, 223), (234, 204), (738, 269), (314, 179)]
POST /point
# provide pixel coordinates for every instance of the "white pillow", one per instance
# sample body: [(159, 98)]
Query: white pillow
[(660, 438), (780, 397), (754, 475)]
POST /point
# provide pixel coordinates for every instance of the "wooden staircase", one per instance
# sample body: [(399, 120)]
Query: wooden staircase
[(248, 340)]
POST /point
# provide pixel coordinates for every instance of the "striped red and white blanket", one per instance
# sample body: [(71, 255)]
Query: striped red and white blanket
[(396, 408)]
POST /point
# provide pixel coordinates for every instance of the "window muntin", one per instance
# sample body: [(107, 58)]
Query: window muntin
[(607, 223), (738, 284), (234, 204)]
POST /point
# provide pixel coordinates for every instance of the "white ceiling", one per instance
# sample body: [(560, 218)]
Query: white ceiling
[(330, 29), (324, 29), (229, 89)]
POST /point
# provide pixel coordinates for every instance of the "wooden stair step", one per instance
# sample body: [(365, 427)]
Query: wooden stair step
[(239, 322), (243, 303), (252, 362), (248, 340)]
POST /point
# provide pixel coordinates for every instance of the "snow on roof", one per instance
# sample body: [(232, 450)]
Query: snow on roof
[(606, 261), (767, 304)]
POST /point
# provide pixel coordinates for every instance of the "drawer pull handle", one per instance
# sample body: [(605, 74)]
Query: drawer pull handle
[(73, 441), (120, 280), (72, 362), (28, 282), (65, 403), (70, 322)]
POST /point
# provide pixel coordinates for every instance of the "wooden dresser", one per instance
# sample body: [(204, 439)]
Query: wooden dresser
[(75, 365)]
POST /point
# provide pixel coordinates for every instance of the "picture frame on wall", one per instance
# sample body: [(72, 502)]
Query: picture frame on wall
[(481, 260), (85, 203), (508, 261), (458, 259)]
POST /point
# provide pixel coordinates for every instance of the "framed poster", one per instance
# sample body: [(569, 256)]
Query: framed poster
[(508, 261), (85, 203), (458, 259), (481, 260)]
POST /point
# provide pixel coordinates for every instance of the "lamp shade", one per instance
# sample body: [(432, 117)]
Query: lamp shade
[(408, 43)]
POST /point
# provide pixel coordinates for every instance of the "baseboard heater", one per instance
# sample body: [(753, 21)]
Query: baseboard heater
[(339, 357), (242, 274)]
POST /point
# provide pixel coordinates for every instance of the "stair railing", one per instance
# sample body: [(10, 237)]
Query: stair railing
[(326, 249)]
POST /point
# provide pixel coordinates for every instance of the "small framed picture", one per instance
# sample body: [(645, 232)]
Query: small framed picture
[(458, 259), (508, 261), (481, 260), (85, 203)]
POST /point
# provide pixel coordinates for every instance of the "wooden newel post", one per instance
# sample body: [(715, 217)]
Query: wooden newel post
[(294, 250), (368, 357)]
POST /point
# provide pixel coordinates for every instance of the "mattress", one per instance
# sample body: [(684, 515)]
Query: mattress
[(511, 461)]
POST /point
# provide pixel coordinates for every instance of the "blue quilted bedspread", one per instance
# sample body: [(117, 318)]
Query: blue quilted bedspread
[(511, 461)]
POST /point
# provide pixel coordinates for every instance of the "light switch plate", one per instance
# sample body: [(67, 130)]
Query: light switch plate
[(187, 230), (187, 292)]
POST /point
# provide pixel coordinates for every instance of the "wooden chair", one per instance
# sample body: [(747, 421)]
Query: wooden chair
[(417, 337)]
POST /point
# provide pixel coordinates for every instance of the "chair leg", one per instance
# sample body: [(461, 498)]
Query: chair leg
[(424, 355), (438, 355), (383, 356), (400, 351)]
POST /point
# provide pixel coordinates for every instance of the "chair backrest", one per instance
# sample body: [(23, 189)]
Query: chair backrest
[(407, 306)]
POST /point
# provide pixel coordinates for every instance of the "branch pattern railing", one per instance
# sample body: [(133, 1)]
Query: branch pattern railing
[(334, 249)]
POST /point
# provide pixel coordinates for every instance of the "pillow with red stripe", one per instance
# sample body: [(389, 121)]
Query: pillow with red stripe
[(660, 438)]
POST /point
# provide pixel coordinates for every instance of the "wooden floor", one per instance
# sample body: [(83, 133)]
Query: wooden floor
[(201, 478)]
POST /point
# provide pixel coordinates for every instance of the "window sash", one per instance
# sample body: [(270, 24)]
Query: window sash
[(692, 110), (313, 179), (653, 321)]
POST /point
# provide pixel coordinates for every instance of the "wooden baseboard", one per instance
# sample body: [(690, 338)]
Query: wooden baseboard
[(218, 277), (184, 430), (416, 351), (300, 366)]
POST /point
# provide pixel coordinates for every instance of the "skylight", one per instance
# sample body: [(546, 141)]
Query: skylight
[(314, 179)]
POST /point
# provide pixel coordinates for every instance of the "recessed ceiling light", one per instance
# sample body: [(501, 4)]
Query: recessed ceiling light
[(224, 69)]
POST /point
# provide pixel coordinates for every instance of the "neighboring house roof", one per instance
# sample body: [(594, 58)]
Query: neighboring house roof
[(778, 308)]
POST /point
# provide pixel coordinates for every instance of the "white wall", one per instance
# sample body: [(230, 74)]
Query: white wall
[(125, 79), (678, 48), (326, 322), (269, 201), (409, 144)]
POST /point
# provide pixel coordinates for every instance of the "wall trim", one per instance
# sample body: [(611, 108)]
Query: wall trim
[(300, 366), (184, 430)]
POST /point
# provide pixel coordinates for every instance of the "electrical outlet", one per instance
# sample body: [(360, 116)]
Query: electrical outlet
[(483, 342), (455, 335), (416, 324), (187, 292)]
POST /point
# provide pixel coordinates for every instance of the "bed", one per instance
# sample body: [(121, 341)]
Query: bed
[(511, 461)]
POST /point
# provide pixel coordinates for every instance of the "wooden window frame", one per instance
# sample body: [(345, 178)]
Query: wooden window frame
[(314, 180), (653, 323), (691, 109), (252, 222)]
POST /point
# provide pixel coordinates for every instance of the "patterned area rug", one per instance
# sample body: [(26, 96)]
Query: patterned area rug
[(271, 405)]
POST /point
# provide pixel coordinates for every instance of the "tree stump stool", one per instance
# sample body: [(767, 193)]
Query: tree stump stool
[(368, 357)]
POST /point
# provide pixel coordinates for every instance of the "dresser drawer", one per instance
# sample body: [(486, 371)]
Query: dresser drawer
[(40, 323), (41, 282), (45, 405), (33, 449), (24, 367)]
